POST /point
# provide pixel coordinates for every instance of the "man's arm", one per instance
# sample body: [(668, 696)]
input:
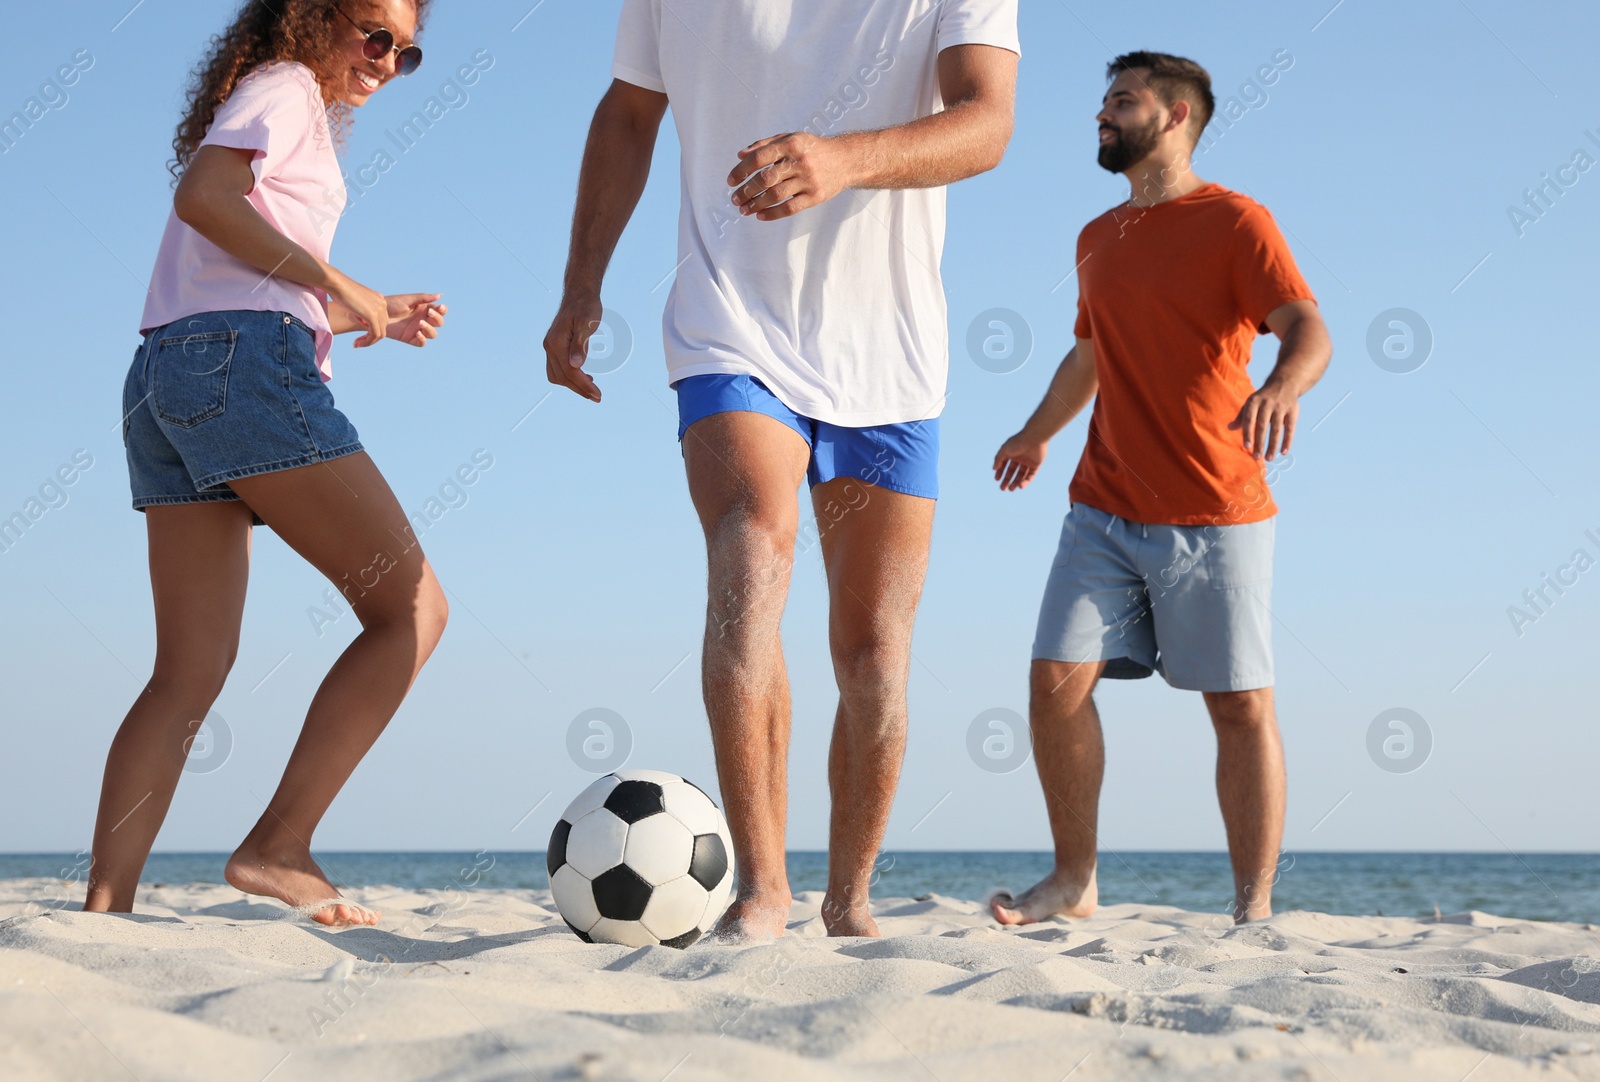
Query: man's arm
[(1269, 416), (616, 165), (786, 174), (1071, 389)]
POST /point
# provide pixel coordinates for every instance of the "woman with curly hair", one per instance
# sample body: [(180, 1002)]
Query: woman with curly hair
[(228, 423)]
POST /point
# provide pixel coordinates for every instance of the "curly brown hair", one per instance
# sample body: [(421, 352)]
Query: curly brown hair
[(265, 31)]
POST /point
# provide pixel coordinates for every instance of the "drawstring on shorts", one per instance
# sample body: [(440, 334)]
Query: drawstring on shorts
[(1144, 527)]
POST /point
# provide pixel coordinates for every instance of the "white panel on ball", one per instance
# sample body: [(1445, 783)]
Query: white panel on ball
[(660, 777), (675, 908), (691, 807), (574, 898), (720, 895), (596, 843), (591, 798), (629, 933), (659, 848)]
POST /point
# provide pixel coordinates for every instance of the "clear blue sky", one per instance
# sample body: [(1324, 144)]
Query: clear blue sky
[(1414, 515)]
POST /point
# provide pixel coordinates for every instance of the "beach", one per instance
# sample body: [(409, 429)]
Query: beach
[(205, 983)]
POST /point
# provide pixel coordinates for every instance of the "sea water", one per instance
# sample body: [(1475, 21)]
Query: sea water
[(1533, 886)]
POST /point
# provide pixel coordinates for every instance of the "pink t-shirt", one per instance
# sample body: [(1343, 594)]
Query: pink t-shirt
[(276, 111)]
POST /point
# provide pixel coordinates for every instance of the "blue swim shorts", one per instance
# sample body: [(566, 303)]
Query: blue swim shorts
[(218, 396), (900, 457)]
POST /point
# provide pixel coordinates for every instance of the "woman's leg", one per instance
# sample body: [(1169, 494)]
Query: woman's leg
[(199, 565), (342, 517)]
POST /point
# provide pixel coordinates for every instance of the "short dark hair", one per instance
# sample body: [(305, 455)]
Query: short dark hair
[(1171, 77)]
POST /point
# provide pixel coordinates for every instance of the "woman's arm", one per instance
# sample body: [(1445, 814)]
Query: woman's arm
[(211, 200), (414, 318)]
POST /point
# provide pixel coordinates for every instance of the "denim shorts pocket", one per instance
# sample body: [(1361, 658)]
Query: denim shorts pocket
[(298, 357), (189, 376)]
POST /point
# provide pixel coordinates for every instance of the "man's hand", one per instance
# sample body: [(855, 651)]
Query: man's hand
[(783, 175), (415, 318), (1268, 420), (1018, 459), (1269, 416), (566, 345), (1071, 389)]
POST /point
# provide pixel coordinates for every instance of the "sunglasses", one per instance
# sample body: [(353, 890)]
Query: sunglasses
[(380, 43)]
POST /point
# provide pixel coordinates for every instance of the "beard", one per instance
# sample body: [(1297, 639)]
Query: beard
[(1130, 147)]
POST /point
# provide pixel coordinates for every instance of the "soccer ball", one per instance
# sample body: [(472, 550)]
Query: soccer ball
[(640, 858)]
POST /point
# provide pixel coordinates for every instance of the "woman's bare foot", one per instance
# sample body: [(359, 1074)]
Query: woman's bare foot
[(841, 918), (753, 917), (100, 898), (1244, 913), (294, 879), (1057, 894)]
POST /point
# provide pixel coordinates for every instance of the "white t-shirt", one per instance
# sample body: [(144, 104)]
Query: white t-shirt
[(839, 309), (277, 113)]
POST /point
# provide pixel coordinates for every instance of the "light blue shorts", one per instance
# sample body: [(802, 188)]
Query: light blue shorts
[(901, 457), (1189, 602)]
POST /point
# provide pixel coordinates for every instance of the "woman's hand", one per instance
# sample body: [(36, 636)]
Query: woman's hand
[(414, 318), (368, 308)]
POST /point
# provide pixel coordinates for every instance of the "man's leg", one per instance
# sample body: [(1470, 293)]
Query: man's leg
[(1070, 753), (1251, 787), (744, 472), (875, 547)]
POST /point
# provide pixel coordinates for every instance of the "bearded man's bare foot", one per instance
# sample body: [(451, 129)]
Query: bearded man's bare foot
[(754, 917), (841, 918), (1056, 895), (293, 878)]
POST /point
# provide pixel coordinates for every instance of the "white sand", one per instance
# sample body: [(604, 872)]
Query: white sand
[(205, 984)]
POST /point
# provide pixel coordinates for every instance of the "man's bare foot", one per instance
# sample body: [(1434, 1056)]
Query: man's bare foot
[(843, 919), (1057, 894), (294, 879), (752, 918)]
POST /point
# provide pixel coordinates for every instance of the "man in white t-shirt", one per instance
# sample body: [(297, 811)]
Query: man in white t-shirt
[(805, 338)]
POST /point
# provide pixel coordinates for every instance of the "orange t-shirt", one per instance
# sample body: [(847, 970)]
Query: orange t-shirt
[(1173, 297)]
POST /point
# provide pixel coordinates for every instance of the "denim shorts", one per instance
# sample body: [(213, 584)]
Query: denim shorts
[(900, 457), (1189, 602), (218, 396)]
